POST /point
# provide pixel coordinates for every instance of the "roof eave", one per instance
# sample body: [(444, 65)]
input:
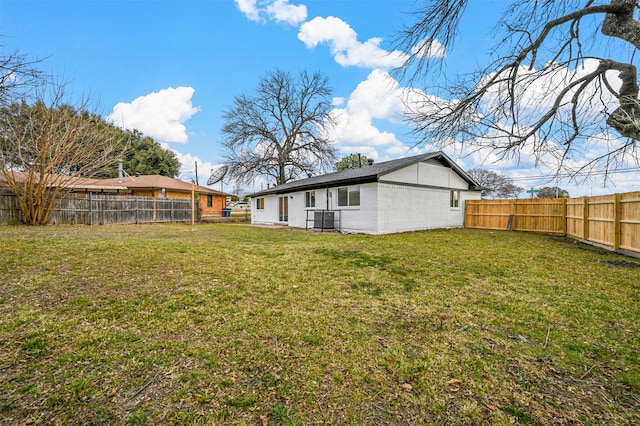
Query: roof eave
[(320, 185)]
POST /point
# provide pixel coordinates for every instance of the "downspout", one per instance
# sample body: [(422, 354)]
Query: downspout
[(327, 197)]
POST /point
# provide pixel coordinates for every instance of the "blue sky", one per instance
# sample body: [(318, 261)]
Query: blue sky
[(170, 68)]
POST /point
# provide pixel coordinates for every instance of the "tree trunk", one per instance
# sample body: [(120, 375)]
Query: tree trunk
[(621, 24)]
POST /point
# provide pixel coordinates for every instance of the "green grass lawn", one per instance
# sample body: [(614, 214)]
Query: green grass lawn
[(233, 324)]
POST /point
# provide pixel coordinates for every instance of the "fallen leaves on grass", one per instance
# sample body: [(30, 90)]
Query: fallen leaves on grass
[(454, 385)]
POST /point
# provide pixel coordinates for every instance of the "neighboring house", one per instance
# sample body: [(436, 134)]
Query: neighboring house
[(211, 202), (75, 184), (408, 194), (208, 202)]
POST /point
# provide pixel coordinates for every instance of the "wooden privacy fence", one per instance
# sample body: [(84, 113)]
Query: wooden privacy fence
[(105, 209), (610, 221)]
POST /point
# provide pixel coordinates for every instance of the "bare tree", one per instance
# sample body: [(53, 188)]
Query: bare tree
[(547, 89), (496, 185), (18, 75), (281, 131), (45, 148)]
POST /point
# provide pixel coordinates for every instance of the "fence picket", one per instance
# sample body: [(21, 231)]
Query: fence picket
[(610, 221), (104, 209)]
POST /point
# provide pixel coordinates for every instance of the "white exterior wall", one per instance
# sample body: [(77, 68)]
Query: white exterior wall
[(428, 174), (268, 215), (360, 219), (297, 210), (406, 208), (363, 218), (385, 207)]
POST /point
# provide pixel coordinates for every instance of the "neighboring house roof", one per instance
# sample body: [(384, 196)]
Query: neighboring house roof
[(130, 182), (366, 174), (159, 182), (69, 182)]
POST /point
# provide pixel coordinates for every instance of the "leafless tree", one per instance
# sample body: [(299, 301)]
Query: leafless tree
[(46, 147), (496, 185), (18, 75), (561, 83), (280, 132)]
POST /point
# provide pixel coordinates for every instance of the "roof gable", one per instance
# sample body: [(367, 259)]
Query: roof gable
[(365, 174)]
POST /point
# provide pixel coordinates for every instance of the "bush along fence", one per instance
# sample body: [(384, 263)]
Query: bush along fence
[(608, 221), (106, 209)]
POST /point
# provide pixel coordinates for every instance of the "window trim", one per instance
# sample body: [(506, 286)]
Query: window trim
[(260, 203), (310, 199), (350, 190), (454, 199)]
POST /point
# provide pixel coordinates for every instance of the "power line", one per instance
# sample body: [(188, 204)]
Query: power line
[(567, 175)]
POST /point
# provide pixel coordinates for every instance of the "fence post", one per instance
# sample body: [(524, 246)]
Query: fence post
[(617, 212), (564, 217), (90, 208), (585, 219), (193, 202), (512, 212)]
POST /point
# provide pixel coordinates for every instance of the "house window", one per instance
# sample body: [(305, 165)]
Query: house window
[(310, 199), (259, 203), (349, 196), (209, 200), (454, 200)]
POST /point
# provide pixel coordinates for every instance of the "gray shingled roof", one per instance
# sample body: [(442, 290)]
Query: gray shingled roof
[(365, 174)]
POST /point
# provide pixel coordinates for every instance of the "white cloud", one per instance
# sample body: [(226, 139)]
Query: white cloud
[(249, 8), (280, 11), (429, 48), (379, 97), (283, 12), (159, 115), (344, 45), (187, 170)]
